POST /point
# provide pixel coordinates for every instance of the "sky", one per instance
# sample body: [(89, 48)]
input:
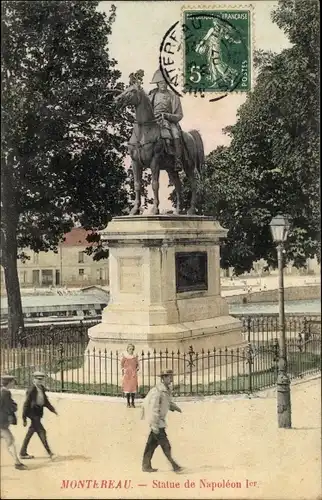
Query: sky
[(136, 36)]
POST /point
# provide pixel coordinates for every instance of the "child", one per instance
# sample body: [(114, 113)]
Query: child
[(130, 367)]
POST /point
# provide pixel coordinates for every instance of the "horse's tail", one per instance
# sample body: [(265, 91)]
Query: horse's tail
[(200, 157)]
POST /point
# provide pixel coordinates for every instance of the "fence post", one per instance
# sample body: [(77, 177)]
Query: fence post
[(276, 350), (82, 333), (190, 364), (149, 372), (249, 360), (61, 361), (306, 332), (22, 362), (300, 341), (249, 322), (141, 364)]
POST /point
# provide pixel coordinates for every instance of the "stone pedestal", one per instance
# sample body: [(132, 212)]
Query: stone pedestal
[(164, 286)]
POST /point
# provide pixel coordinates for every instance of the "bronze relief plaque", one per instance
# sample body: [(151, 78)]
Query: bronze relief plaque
[(191, 271)]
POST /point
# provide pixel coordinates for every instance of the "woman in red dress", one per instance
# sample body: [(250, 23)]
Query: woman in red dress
[(130, 367)]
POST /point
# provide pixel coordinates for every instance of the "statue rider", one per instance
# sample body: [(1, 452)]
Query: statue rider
[(168, 111)]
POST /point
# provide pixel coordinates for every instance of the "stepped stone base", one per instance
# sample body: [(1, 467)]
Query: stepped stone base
[(165, 287)]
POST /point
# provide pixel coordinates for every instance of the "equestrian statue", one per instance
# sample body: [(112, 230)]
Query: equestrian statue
[(158, 143)]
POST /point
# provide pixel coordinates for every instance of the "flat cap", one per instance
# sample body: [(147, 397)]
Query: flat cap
[(166, 372), (39, 374), (7, 377)]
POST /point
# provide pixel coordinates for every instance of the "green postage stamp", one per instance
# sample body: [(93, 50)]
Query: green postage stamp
[(217, 50)]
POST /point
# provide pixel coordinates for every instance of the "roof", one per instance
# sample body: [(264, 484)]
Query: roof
[(49, 301), (76, 238), (96, 291)]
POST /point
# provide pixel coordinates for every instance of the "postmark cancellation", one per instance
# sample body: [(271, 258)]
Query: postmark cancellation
[(210, 50)]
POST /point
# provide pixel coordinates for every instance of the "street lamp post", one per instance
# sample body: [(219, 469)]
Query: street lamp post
[(279, 228)]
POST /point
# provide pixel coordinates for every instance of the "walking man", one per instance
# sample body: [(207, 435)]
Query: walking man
[(155, 407), (8, 408), (36, 401)]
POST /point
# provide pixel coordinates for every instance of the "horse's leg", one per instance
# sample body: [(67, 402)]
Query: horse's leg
[(137, 174), (155, 173), (189, 169), (193, 186), (175, 180)]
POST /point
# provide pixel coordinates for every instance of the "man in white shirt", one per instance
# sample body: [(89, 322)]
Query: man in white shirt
[(155, 408)]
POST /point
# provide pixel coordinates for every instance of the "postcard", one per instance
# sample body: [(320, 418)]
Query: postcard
[(169, 138)]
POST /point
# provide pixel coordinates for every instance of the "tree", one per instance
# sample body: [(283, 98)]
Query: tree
[(272, 163), (63, 139)]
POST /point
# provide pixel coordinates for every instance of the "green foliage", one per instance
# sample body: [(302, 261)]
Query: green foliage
[(137, 77), (63, 138), (272, 163)]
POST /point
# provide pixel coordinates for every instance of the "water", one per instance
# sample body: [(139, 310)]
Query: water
[(297, 306)]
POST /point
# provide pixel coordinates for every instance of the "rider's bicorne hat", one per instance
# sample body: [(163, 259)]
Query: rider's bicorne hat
[(158, 77)]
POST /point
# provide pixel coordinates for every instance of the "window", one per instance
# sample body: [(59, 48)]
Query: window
[(47, 277), (80, 257), (80, 272), (57, 277), (36, 258), (22, 277), (35, 277)]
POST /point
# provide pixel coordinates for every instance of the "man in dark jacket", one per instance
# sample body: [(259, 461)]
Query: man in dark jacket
[(8, 409), (33, 408)]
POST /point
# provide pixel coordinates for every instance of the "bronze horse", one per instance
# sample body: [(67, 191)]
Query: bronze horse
[(147, 149)]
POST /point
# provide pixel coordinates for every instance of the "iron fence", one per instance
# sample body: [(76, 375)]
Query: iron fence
[(257, 329), (44, 335), (70, 367)]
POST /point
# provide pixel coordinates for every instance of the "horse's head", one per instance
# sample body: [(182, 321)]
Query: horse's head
[(134, 95), (129, 96)]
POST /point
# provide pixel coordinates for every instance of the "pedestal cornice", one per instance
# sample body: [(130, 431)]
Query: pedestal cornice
[(167, 229)]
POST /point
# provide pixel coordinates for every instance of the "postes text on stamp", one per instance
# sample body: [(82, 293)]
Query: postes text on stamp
[(217, 50)]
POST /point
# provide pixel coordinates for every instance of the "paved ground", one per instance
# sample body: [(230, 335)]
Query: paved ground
[(224, 443)]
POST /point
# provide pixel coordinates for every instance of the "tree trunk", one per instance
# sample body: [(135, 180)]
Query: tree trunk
[(9, 251), (15, 315)]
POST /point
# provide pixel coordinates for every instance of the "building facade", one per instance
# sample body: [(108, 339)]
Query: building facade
[(312, 267), (70, 266)]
